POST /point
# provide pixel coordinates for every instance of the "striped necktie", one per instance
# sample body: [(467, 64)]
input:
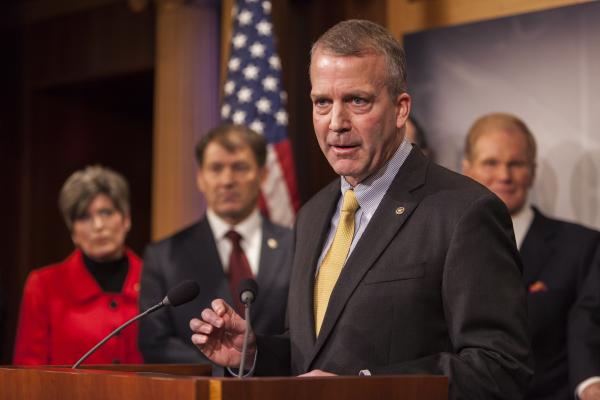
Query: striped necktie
[(334, 260)]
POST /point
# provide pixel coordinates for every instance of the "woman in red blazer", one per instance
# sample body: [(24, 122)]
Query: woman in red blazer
[(69, 306)]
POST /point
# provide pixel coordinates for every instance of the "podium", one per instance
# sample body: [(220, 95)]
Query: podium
[(192, 382)]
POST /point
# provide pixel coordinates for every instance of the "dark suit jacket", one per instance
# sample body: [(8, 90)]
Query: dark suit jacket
[(556, 255), (433, 286), (165, 337)]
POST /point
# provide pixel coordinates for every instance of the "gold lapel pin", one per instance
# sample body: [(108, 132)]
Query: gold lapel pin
[(399, 210), (272, 243)]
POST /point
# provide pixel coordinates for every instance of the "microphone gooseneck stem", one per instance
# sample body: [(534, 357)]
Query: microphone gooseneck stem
[(119, 329), (245, 344)]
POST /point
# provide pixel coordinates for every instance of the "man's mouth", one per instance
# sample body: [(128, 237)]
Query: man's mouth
[(344, 149)]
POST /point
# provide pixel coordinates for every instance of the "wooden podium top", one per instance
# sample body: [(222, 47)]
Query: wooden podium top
[(190, 382)]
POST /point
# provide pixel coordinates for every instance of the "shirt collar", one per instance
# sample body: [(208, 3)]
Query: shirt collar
[(370, 191), (246, 228), (521, 222)]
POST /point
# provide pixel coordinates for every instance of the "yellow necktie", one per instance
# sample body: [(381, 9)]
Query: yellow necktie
[(334, 260)]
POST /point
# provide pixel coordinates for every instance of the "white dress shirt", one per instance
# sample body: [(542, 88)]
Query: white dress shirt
[(249, 229), (521, 222)]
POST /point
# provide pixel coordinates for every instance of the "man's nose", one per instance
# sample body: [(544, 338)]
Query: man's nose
[(340, 121), (504, 172), (227, 176)]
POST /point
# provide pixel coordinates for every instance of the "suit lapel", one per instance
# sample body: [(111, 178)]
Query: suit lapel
[(535, 251), (308, 249), (395, 208), (203, 262), (271, 259)]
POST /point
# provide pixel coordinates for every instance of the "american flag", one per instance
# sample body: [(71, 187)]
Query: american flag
[(253, 96)]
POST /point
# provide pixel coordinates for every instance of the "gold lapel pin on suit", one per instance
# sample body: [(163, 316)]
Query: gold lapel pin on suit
[(399, 210), (272, 243)]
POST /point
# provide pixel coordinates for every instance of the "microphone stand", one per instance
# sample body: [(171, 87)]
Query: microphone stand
[(119, 329), (246, 335)]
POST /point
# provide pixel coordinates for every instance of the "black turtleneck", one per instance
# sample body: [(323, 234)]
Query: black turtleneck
[(110, 275)]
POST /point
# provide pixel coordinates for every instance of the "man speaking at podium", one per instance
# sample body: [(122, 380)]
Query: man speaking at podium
[(400, 266)]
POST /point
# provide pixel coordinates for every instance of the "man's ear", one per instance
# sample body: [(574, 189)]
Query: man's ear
[(533, 172), (200, 180), (403, 104), (263, 174), (466, 167)]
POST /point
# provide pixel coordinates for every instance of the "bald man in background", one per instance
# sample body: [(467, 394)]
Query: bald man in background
[(500, 153)]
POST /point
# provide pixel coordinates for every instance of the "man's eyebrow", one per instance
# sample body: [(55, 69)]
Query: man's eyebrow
[(359, 93)]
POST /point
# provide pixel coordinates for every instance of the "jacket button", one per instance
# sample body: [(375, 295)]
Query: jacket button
[(113, 304)]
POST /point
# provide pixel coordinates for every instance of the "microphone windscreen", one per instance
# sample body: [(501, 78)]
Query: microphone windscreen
[(184, 292), (248, 285)]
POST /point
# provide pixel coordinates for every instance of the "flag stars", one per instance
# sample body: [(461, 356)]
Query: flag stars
[(266, 5), (257, 50), (251, 72), (245, 18), (263, 105), (283, 96), (239, 117), (234, 64), (264, 28), (257, 126), (275, 62), (229, 87), (244, 95), (225, 111), (239, 40), (281, 117), (269, 83)]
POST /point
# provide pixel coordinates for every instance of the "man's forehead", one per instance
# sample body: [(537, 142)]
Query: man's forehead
[(217, 149), (346, 73), (495, 142)]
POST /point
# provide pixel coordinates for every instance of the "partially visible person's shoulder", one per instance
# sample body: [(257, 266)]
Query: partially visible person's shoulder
[(276, 229), (54, 273), (568, 231), (448, 188), (180, 236)]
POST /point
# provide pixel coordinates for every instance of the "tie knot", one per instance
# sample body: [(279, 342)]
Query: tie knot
[(350, 204), (234, 237)]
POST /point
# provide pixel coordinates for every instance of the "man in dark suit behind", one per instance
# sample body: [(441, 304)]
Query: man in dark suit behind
[(231, 167), (400, 266), (500, 152)]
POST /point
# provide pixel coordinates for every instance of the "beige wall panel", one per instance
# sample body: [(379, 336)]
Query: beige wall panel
[(405, 16), (186, 106)]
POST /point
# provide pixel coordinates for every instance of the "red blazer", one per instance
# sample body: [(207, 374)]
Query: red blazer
[(64, 313)]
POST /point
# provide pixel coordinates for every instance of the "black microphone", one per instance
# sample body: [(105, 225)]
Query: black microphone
[(248, 291), (183, 293)]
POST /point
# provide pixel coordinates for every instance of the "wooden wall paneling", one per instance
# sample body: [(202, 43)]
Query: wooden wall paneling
[(405, 16), (10, 150), (186, 106), (84, 98)]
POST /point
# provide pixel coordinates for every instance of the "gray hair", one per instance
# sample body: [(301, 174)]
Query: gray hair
[(358, 38), (84, 185)]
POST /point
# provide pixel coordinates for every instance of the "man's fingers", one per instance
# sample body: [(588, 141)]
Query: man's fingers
[(220, 307), (211, 317), (198, 326), (199, 339)]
